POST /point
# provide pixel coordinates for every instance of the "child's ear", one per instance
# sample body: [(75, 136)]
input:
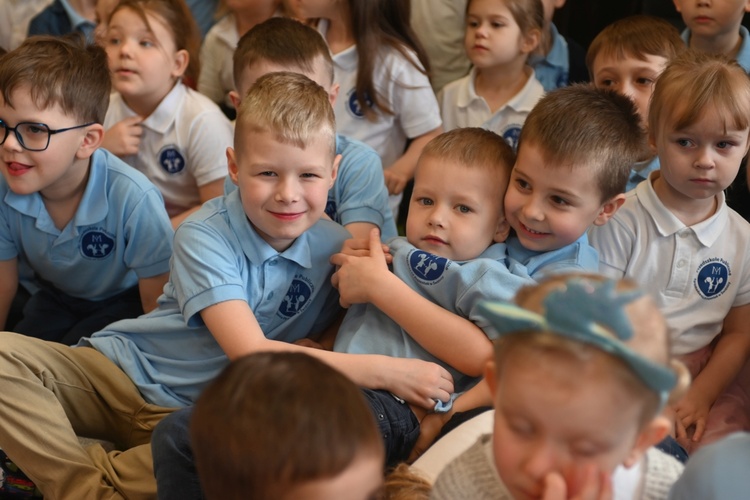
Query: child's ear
[(91, 141), (181, 60), (232, 165), (502, 231), (677, 5), (608, 209), (234, 96), (654, 432), (335, 171), (333, 93), (531, 41)]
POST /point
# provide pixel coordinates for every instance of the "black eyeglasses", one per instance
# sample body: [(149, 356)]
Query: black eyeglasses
[(33, 136)]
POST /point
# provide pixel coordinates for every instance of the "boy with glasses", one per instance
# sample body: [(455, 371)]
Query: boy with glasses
[(84, 234)]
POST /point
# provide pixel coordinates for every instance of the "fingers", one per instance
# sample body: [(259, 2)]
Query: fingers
[(376, 247), (700, 427), (680, 429), (554, 487)]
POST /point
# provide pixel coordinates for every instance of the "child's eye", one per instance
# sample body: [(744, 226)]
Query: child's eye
[(147, 43), (267, 173), (113, 41), (463, 209), (644, 81), (557, 200), (685, 143), (724, 144), (606, 82), (472, 24), (425, 202), (32, 129), (309, 175), (523, 185), (497, 25), (521, 428)]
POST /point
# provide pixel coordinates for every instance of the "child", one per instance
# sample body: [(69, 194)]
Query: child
[(627, 56), (560, 60), (174, 135), (716, 28), (382, 71), (358, 199), (580, 374), (250, 272), (82, 232), (574, 155), (65, 16), (678, 239), (299, 430), (501, 88), (216, 78), (453, 256)]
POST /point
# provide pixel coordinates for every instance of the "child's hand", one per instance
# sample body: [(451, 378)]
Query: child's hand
[(124, 138), (585, 483), (691, 410), (356, 277), (360, 247), (395, 180), (418, 382), (429, 428)]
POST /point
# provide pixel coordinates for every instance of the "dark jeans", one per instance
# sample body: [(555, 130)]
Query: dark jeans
[(398, 425), (671, 447), (174, 465), (50, 314)]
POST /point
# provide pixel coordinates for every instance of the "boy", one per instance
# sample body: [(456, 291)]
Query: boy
[(250, 272), (627, 56), (716, 27), (300, 430), (358, 199), (561, 60), (82, 232), (676, 236), (574, 155)]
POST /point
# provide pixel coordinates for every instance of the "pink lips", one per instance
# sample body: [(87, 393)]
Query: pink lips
[(287, 216), (17, 169), (434, 240)]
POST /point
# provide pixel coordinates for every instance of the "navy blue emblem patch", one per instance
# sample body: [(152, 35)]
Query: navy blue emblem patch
[(426, 267), (96, 244), (171, 160), (353, 105), (511, 136), (713, 278), (297, 297), (331, 210)]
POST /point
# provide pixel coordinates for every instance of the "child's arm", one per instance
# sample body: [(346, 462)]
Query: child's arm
[(8, 287), (150, 290), (124, 137), (451, 338), (729, 356), (402, 170), (235, 328)]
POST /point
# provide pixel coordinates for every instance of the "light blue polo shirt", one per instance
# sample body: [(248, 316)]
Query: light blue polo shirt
[(169, 353), (119, 233), (552, 70), (578, 256), (743, 55), (359, 193), (456, 286), (641, 171)]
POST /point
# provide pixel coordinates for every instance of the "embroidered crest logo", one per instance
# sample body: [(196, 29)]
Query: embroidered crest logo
[(331, 210), (511, 135), (171, 160), (712, 278), (426, 267), (96, 244), (353, 105), (297, 297)]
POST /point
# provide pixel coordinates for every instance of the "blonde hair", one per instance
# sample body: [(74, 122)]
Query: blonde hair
[(636, 36), (582, 127), (695, 81), (292, 107), (650, 340)]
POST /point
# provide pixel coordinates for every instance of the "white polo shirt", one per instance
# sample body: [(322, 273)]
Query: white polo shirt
[(183, 145), (696, 274), (462, 107)]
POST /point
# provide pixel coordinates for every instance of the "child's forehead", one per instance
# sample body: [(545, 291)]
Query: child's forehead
[(619, 55)]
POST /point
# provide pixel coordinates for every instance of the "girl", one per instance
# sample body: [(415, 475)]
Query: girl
[(501, 88), (156, 123), (382, 73), (217, 72), (580, 375)]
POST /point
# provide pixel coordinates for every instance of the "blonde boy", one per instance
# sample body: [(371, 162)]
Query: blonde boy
[(627, 56)]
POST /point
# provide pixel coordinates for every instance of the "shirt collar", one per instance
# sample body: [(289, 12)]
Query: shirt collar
[(166, 112)]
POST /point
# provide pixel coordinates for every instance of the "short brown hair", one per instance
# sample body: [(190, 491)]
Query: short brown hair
[(273, 420), (292, 107), (178, 20), (694, 81), (637, 36), (285, 42), (63, 71), (580, 126)]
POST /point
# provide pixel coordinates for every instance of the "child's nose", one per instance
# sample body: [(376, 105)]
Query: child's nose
[(532, 209), (704, 159), (286, 191), (542, 459), (436, 217)]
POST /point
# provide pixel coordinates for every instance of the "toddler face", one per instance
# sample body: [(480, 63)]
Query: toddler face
[(629, 76), (552, 206), (284, 188), (712, 19), (699, 161), (455, 212), (492, 35), (559, 416)]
